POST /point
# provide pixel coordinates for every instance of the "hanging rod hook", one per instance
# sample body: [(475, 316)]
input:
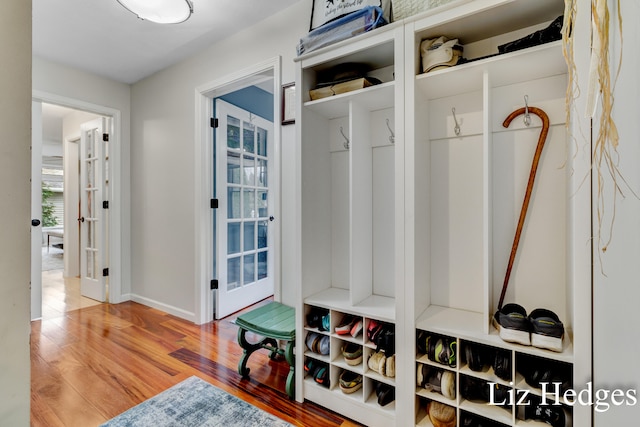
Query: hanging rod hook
[(392, 138), (527, 117), (346, 140), (456, 128)]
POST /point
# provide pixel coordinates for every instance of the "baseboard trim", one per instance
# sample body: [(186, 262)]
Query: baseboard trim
[(175, 311)]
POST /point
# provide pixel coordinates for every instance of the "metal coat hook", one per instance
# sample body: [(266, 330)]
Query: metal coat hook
[(346, 140), (527, 117), (392, 138), (456, 128)]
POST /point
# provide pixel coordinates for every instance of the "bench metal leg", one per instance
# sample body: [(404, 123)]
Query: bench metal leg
[(271, 345), (290, 387), (248, 350)]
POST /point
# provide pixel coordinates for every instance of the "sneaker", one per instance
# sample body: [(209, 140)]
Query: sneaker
[(441, 349), (437, 380), (350, 382), (546, 329), (514, 324), (556, 416), (345, 325)]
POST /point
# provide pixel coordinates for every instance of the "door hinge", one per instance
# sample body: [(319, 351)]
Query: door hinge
[(214, 122), (105, 272), (214, 284), (105, 204), (105, 137), (214, 203)]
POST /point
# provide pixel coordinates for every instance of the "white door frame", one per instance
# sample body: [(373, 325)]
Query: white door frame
[(115, 185), (203, 178)]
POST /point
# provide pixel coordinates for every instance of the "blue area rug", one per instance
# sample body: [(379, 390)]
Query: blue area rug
[(194, 403)]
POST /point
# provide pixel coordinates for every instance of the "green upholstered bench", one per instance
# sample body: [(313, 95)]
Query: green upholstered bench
[(273, 321)]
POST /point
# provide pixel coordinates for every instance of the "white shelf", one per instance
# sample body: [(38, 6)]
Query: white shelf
[(431, 395), (374, 98), (468, 325), (491, 412), (505, 69), (337, 299)]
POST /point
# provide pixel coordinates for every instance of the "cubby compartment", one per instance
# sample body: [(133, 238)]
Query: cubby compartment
[(470, 173)]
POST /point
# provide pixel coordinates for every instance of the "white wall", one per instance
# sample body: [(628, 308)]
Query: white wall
[(162, 156), (15, 191), (617, 291), (56, 81)]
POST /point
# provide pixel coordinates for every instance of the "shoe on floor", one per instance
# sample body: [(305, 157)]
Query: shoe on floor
[(514, 324), (546, 329)]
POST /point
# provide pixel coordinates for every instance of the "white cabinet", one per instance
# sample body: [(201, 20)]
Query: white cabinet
[(416, 230), (350, 211)]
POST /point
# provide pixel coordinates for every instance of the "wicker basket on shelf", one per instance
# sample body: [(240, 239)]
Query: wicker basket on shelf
[(405, 8)]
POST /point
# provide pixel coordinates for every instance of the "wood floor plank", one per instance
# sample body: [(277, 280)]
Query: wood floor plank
[(91, 364)]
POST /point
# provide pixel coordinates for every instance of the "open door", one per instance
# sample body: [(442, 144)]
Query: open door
[(94, 140), (36, 210), (245, 194)]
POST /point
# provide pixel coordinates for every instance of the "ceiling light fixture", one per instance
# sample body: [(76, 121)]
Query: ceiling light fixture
[(160, 11)]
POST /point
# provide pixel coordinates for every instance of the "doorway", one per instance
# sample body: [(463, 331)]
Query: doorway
[(221, 272), (57, 261)]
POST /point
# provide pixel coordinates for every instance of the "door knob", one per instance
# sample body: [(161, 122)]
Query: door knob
[(35, 222), (271, 218), (81, 219)]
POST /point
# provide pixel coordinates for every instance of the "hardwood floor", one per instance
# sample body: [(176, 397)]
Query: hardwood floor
[(61, 294), (91, 364)]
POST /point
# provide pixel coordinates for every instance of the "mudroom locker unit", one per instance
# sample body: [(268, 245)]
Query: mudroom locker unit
[(408, 196)]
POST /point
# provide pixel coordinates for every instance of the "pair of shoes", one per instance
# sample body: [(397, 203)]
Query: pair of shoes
[(349, 325), (554, 415), (318, 370), (352, 354), (542, 328), (380, 363), (350, 382), (472, 420), (537, 371), (476, 389), (478, 357), (441, 415), (319, 318), (386, 393), (318, 343), (438, 380), (438, 348)]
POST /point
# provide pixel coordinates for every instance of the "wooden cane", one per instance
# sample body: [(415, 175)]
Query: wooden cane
[(527, 195)]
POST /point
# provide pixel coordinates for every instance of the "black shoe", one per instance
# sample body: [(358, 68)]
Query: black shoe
[(546, 329), (556, 416), (513, 324), (502, 364), (441, 349), (386, 394)]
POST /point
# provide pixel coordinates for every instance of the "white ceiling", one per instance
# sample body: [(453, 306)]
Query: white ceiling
[(102, 37)]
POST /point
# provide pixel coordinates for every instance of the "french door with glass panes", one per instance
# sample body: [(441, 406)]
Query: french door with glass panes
[(93, 220), (244, 257)]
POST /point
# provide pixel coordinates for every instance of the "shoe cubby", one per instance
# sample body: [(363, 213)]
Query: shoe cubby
[(350, 356), (491, 371)]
